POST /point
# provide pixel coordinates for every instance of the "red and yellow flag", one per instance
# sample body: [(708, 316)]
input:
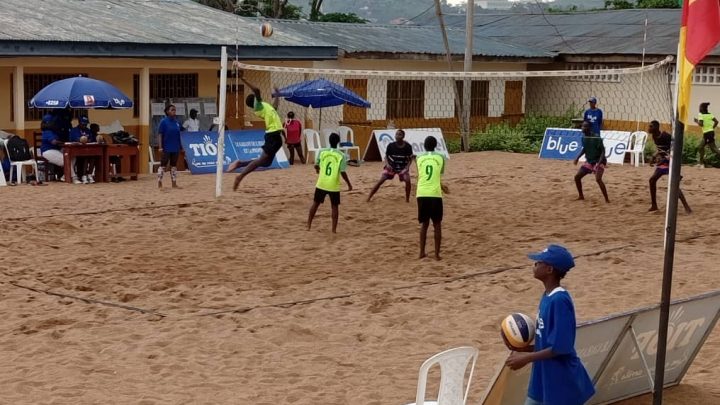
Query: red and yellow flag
[(699, 33)]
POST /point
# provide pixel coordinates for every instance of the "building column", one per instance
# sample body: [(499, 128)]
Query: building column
[(19, 99), (144, 110)]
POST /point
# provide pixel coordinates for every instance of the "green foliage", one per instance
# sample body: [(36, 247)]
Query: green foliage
[(342, 18), (626, 4)]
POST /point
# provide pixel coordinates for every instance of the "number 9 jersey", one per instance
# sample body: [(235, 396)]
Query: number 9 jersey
[(431, 165), (332, 162)]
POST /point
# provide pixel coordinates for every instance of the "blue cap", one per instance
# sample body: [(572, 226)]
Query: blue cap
[(555, 255), (47, 118), (592, 100), (84, 120)]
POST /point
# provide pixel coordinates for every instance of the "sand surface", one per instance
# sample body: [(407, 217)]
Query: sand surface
[(234, 302)]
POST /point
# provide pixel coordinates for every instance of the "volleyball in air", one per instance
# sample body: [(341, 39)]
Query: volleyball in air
[(518, 330), (266, 29)]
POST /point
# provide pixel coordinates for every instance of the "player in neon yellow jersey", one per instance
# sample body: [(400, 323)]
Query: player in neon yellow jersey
[(708, 122), (273, 134), (330, 164), (431, 167)]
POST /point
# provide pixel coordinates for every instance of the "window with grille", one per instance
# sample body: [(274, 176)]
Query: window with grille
[(405, 99), (706, 75), (479, 97), (182, 85), (605, 78), (34, 83)]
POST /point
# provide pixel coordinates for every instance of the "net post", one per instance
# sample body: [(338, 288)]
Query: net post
[(467, 82), (221, 122)]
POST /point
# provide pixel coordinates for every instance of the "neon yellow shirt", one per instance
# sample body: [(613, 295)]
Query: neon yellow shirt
[(271, 117), (431, 166), (332, 162), (708, 122)]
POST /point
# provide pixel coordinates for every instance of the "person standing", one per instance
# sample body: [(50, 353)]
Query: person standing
[(594, 116), (398, 157), (707, 122), (558, 376), (330, 164), (429, 193), (594, 151), (663, 143), (169, 132), (192, 124), (273, 134), (293, 137)]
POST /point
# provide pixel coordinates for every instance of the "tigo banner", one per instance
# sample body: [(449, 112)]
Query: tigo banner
[(201, 149)]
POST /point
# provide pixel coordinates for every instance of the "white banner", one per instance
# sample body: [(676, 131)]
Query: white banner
[(381, 138)]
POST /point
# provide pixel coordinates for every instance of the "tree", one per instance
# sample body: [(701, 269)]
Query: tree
[(224, 5), (315, 6), (251, 8), (342, 18), (626, 4)]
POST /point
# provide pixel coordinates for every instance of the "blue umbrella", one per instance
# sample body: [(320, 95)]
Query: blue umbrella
[(321, 93), (81, 92)]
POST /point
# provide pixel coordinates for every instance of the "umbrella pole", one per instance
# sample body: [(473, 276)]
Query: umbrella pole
[(320, 120)]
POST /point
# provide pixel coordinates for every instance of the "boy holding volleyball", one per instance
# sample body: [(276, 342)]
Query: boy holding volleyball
[(558, 376)]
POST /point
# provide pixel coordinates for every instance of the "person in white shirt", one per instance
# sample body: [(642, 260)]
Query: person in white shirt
[(192, 124)]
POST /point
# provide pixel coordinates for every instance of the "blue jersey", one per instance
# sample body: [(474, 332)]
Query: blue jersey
[(595, 117), (170, 130), (48, 136), (561, 380), (77, 132)]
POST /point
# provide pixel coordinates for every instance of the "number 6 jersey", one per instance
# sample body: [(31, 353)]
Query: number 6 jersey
[(332, 162)]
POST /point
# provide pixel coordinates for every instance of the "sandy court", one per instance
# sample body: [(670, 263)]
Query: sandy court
[(234, 302)]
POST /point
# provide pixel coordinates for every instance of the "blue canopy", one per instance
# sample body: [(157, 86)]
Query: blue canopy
[(321, 93), (80, 92)]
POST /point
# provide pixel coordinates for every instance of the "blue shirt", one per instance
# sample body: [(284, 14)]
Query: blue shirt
[(595, 117), (170, 130), (561, 380), (77, 132), (47, 137)]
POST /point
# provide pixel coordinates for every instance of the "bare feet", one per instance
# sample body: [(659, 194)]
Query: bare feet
[(159, 183), (422, 255), (580, 198), (688, 210), (233, 166), (437, 257), (653, 208), (607, 201), (236, 183)]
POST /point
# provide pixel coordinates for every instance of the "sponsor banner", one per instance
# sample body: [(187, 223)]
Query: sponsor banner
[(613, 349), (380, 138), (201, 149), (566, 143)]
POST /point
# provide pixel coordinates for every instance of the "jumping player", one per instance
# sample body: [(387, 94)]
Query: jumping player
[(594, 152), (273, 134), (663, 142), (330, 164), (398, 156), (431, 167)]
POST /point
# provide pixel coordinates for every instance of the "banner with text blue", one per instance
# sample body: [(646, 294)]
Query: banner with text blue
[(201, 149), (561, 143)]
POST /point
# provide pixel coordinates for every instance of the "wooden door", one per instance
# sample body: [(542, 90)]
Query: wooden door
[(351, 114), (513, 97)]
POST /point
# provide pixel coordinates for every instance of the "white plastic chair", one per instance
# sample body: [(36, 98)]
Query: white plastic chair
[(312, 143), (326, 136), (2, 177), (347, 135), (19, 165), (153, 164), (453, 366), (636, 149)]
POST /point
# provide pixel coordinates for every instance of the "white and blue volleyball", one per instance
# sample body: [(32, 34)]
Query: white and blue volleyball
[(518, 329)]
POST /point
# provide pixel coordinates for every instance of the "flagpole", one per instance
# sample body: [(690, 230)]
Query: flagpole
[(669, 238)]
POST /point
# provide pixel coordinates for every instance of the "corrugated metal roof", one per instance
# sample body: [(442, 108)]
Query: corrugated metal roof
[(146, 22), (404, 39), (600, 32)]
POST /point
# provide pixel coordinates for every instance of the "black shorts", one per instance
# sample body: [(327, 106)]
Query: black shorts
[(709, 137), (273, 143), (430, 208), (171, 157), (320, 196)]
